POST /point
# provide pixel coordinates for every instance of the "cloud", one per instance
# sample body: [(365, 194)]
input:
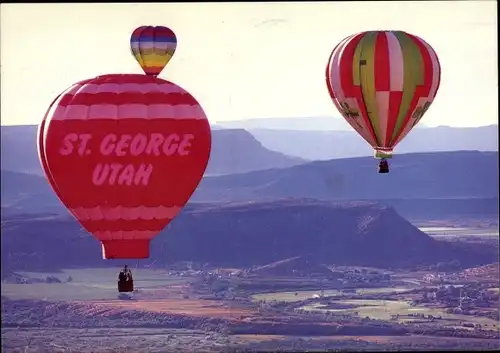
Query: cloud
[(271, 22)]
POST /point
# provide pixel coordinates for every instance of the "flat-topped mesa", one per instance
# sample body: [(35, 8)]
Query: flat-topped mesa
[(233, 235)]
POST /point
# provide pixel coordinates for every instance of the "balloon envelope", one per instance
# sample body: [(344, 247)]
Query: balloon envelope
[(124, 153), (41, 144), (153, 47), (383, 82)]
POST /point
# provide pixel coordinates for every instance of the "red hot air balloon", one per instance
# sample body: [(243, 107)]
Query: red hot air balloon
[(40, 144), (124, 153), (383, 82)]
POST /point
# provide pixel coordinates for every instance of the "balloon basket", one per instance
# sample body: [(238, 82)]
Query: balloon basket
[(125, 286), (383, 167)]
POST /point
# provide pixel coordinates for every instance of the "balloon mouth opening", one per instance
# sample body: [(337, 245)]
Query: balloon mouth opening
[(125, 249), (383, 153)]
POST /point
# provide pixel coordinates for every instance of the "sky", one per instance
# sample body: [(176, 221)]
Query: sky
[(244, 60)]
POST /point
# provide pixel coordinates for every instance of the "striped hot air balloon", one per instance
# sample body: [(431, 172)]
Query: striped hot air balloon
[(153, 47), (124, 153), (383, 82)]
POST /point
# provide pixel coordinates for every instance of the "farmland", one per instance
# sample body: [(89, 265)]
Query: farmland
[(191, 307), (302, 295), (177, 309), (401, 311), (485, 231), (88, 284)]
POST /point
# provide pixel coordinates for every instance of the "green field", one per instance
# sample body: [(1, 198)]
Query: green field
[(303, 295), (87, 284), (384, 309)]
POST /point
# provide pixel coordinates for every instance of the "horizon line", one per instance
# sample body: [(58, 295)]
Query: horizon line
[(268, 128)]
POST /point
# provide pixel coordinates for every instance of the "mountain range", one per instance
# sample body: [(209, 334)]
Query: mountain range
[(240, 151), (325, 137), (419, 186), (233, 151), (466, 174), (322, 145), (338, 211), (311, 123)]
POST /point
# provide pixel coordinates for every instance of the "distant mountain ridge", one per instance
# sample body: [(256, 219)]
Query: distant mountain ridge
[(323, 145), (313, 123), (237, 151), (233, 151), (298, 123), (423, 185), (465, 174)]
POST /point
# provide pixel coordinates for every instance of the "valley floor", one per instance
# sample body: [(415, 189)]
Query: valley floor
[(222, 310), (105, 340)]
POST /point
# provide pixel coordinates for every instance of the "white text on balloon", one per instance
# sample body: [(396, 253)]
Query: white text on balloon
[(68, 141), (138, 144), (118, 174), (122, 145)]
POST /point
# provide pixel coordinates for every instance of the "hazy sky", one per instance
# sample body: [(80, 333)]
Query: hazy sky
[(244, 60)]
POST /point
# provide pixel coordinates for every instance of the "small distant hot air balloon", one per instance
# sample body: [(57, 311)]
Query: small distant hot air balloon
[(124, 153), (383, 82), (153, 47)]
